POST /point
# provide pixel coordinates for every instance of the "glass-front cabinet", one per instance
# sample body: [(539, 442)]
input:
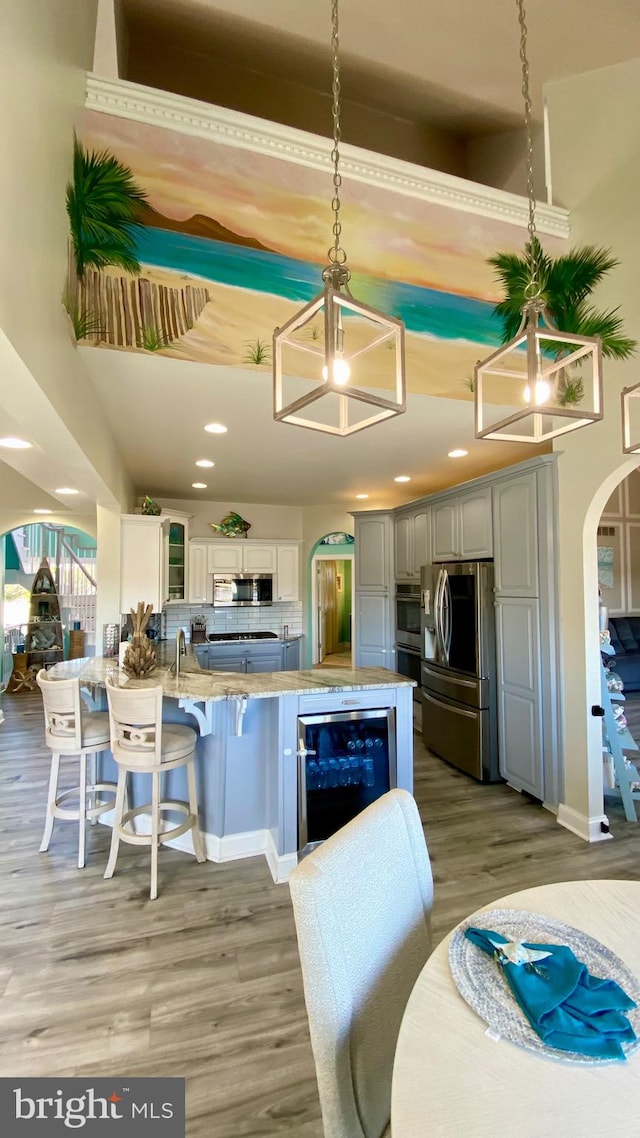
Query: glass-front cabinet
[(176, 561)]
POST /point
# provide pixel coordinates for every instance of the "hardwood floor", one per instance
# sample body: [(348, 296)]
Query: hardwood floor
[(95, 979)]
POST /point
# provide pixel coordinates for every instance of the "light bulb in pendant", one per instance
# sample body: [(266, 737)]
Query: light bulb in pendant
[(341, 371), (541, 392)]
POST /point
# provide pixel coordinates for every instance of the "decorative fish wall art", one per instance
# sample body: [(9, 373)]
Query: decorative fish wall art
[(232, 526)]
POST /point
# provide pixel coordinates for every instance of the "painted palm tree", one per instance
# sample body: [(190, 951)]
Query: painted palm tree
[(104, 205), (565, 284)]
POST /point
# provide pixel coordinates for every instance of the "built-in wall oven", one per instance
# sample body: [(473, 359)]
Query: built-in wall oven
[(408, 614), (408, 664)]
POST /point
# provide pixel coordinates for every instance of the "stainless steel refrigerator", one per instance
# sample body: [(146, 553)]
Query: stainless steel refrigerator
[(458, 670)]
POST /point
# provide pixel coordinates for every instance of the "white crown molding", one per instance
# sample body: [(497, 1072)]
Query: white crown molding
[(127, 100)]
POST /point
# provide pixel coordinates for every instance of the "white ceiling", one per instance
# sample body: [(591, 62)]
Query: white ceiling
[(158, 407)]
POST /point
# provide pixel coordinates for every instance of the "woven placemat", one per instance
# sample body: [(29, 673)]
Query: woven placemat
[(482, 984)]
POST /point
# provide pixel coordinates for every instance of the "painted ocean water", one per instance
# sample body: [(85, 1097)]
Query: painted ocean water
[(443, 315)]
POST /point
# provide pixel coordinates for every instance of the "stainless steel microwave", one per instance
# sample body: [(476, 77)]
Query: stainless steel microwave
[(242, 590)]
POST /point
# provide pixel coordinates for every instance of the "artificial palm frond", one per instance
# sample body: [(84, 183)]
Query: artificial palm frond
[(564, 284), (104, 206)]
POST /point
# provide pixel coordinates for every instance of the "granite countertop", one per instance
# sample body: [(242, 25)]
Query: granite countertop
[(197, 684)]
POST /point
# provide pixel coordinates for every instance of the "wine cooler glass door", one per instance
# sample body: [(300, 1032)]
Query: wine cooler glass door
[(346, 760)]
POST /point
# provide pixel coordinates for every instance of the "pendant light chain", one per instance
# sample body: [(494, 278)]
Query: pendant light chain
[(532, 289), (337, 255)]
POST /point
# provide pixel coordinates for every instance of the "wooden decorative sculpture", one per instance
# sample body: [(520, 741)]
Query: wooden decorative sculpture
[(140, 657)]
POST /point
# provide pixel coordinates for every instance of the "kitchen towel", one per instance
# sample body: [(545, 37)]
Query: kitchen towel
[(568, 1008)]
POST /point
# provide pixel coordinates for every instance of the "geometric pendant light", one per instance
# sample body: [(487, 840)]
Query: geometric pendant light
[(338, 363), (631, 419), (543, 382)]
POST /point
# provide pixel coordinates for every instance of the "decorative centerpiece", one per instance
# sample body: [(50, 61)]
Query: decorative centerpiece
[(150, 507), (140, 657), (232, 526)]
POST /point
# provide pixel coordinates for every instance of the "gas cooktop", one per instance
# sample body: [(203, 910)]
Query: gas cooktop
[(214, 636)]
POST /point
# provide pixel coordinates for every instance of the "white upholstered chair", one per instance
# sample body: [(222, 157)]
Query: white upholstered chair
[(71, 731), (142, 743), (362, 903)]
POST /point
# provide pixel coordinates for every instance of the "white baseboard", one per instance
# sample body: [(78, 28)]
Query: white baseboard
[(280, 866), (231, 847), (589, 829)]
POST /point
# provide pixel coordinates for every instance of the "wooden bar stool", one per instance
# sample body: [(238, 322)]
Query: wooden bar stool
[(142, 744), (70, 731)]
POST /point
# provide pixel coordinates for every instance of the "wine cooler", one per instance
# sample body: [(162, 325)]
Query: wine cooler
[(346, 760)]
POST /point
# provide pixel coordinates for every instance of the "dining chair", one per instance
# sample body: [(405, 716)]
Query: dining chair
[(362, 903), (71, 731), (142, 744)]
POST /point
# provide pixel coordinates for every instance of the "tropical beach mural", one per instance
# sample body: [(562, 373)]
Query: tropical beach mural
[(225, 244)]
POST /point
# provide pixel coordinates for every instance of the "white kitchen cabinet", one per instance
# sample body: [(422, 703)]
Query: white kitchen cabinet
[(143, 561), (153, 560), (225, 558), (258, 559), (462, 526), (287, 582), (243, 556), (200, 590)]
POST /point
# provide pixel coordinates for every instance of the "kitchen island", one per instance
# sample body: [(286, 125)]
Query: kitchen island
[(247, 756)]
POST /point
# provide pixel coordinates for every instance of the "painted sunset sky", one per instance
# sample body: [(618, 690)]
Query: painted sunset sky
[(391, 239)]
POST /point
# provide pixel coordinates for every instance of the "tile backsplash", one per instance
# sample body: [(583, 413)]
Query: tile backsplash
[(270, 618)]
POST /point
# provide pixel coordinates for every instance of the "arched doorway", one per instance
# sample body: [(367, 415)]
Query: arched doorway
[(330, 593)]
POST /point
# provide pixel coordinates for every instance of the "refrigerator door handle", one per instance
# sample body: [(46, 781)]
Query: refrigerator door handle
[(437, 616), (446, 616)]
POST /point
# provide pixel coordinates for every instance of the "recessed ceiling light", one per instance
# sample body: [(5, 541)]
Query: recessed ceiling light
[(14, 444), (362, 495), (199, 485), (459, 453), (205, 462), (216, 429), (402, 478), (66, 490), (43, 511)]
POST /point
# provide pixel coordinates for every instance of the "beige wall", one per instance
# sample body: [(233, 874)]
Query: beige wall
[(267, 522), (595, 160), (46, 48)]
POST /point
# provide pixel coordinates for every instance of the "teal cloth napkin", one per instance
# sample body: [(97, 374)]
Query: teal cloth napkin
[(565, 1005)]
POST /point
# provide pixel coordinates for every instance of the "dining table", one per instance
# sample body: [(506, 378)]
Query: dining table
[(455, 1078)]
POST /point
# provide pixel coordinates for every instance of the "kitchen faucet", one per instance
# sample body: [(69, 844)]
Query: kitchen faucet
[(181, 649)]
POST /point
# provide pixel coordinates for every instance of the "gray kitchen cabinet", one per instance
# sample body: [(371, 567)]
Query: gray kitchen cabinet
[(227, 663), (515, 536), (527, 630), (264, 662), (374, 632), (291, 656), (412, 543), (462, 526), (520, 693), (250, 656), (374, 551), (374, 640)]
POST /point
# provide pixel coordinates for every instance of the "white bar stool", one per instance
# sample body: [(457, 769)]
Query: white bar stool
[(72, 731), (141, 743)]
